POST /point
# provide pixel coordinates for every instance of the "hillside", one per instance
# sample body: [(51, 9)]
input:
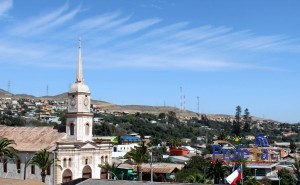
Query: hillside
[(124, 108)]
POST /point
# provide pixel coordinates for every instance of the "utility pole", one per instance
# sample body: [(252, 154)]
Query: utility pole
[(151, 167), (8, 86), (198, 105), (181, 100), (47, 90)]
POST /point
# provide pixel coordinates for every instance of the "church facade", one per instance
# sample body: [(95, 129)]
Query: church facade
[(76, 154)]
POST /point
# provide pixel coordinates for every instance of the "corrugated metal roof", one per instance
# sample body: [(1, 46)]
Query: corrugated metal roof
[(159, 167), (32, 139), (130, 138), (20, 181)]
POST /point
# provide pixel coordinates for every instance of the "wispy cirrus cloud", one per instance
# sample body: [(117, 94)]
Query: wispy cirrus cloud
[(138, 26), (39, 24), (117, 40), (5, 5)]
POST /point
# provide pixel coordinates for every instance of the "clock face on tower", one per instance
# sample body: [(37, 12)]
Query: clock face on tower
[(73, 102)]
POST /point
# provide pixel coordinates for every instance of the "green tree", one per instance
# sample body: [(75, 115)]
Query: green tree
[(140, 155), (173, 142), (162, 116), (296, 167), (199, 162), (109, 168), (196, 178), (154, 141), (222, 135), (217, 171), (286, 177), (252, 181), (247, 120), (171, 116), (184, 174), (293, 146), (238, 111), (43, 161), (6, 148)]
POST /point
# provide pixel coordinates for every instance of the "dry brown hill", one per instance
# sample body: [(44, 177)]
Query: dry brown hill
[(125, 108)]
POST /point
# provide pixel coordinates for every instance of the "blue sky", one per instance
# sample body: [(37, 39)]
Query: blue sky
[(228, 53)]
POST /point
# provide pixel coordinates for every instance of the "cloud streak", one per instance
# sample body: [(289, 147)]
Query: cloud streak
[(5, 5), (117, 40), (40, 24)]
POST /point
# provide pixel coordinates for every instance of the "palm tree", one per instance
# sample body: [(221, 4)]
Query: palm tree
[(296, 167), (140, 155), (196, 178), (109, 168), (217, 171), (6, 150), (42, 160)]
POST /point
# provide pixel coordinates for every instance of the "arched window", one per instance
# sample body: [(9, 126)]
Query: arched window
[(72, 129), (65, 163), (5, 165), (70, 162), (87, 129), (19, 166), (106, 159), (102, 160), (32, 169), (86, 161)]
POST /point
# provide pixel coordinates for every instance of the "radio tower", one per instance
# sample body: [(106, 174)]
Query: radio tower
[(8, 86), (181, 100), (47, 91), (198, 104)]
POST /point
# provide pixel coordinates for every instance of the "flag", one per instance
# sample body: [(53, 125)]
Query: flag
[(235, 176)]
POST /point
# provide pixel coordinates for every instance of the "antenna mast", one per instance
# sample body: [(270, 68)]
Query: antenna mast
[(8, 86), (198, 104), (181, 100)]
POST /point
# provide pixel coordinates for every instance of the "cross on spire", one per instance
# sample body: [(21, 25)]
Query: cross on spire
[(79, 42)]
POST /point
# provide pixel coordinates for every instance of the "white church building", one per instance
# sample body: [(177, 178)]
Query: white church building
[(76, 154)]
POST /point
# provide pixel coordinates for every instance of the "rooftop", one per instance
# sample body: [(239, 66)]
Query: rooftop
[(32, 139)]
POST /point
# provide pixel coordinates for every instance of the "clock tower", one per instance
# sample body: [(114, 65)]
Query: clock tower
[(79, 119)]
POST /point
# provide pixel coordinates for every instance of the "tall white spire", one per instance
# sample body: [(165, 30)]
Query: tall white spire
[(79, 77)]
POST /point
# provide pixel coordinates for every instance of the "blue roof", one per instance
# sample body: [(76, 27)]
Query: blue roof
[(130, 138)]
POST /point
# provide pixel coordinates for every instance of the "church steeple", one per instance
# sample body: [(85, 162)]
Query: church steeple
[(79, 77), (79, 121)]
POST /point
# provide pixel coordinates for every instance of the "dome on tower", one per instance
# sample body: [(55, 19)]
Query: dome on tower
[(79, 87)]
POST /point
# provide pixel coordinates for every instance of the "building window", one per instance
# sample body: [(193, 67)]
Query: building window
[(32, 169), (49, 170), (70, 162), (72, 129), (87, 129), (86, 161), (64, 163), (102, 160), (5, 165), (106, 159), (19, 166)]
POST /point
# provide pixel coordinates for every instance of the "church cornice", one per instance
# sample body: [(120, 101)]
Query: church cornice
[(79, 114), (79, 93)]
